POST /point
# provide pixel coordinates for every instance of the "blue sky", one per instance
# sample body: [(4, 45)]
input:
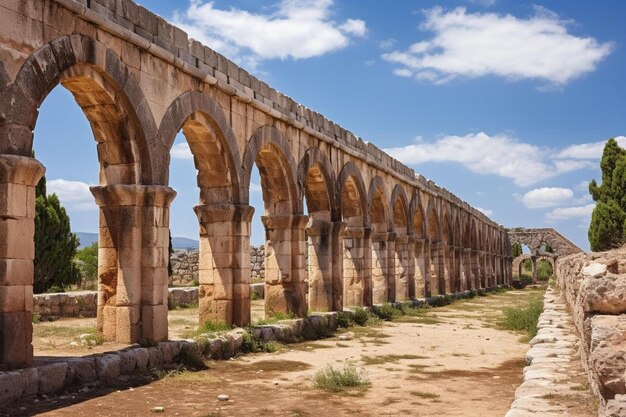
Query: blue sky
[(504, 103)]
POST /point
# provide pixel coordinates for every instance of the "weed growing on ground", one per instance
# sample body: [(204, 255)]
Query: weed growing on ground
[(209, 327), (426, 395), (523, 319), (274, 317), (252, 345), (337, 380)]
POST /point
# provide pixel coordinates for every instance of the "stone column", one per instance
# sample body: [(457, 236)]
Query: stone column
[(325, 283), (285, 286), (411, 266), (468, 280), (18, 177), (459, 273), (445, 258), (484, 272), (224, 264), (421, 267), (133, 240), (401, 277), (533, 260), (380, 285), (154, 261), (357, 269), (476, 271), (437, 283)]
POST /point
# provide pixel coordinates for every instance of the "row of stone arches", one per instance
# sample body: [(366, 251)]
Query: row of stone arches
[(384, 241)]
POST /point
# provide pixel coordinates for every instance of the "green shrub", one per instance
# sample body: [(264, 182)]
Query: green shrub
[(253, 345), (336, 380), (386, 311), (36, 318), (344, 319), (55, 289), (274, 317), (361, 316)]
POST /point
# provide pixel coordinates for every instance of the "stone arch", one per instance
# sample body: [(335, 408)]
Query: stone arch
[(316, 181), (418, 219), (433, 230), (212, 143), (400, 210), (447, 233), (269, 149), (352, 200), (377, 204), (108, 94)]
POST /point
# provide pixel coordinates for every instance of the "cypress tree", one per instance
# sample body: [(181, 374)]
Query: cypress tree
[(608, 220), (55, 244)]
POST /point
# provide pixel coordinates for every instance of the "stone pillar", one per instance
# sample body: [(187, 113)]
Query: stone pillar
[(18, 177), (357, 288), (325, 272), (459, 273), (285, 285), (421, 267), (224, 264), (436, 269), (468, 278), (475, 265), (133, 240), (533, 260), (411, 266), (446, 258), (484, 272), (402, 274), (154, 261), (380, 285)]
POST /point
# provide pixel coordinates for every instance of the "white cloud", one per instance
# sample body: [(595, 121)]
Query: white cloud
[(485, 3), (486, 212), (402, 72), (72, 194), (473, 45), (296, 29), (181, 151), (255, 188), (583, 186), (499, 154), (591, 150), (571, 212), (547, 197), (386, 43)]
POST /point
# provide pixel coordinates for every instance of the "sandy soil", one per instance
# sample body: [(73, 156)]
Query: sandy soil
[(449, 361)]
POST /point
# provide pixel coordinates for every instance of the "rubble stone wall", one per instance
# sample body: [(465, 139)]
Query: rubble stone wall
[(594, 286)]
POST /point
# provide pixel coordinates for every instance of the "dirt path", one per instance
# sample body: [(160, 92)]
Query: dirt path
[(449, 361)]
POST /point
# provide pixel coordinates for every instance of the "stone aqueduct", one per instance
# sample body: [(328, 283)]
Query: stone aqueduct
[(377, 232)]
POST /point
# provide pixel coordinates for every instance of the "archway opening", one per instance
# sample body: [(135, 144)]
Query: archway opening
[(401, 287), (357, 288), (419, 282), (380, 274), (435, 247)]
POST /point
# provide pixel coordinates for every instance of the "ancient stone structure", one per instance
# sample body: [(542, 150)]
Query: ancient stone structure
[(594, 287), (184, 267), (376, 231), (535, 239)]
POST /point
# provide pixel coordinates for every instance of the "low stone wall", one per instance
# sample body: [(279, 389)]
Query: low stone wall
[(594, 286), (65, 373), (71, 304), (185, 265)]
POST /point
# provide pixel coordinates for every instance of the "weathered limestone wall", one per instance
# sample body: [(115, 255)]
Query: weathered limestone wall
[(184, 267), (594, 286)]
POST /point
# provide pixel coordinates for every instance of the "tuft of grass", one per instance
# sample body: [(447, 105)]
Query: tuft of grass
[(207, 327), (252, 345), (337, 380), (191, 359), (36, 318), (426, 395), (523, 319), (379, 360), (274, 317)]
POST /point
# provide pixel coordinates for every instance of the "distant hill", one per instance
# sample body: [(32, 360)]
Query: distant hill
[(86, 239)]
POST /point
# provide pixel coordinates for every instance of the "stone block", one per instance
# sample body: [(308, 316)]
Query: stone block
[(128, 329), (142, 358), (80, 371), (16, 349), (18, 238), (128, 361), (154, 322), (108, 367), (52, 377)]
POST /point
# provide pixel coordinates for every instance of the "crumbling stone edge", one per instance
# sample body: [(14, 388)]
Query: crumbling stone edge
[(59, 374)]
